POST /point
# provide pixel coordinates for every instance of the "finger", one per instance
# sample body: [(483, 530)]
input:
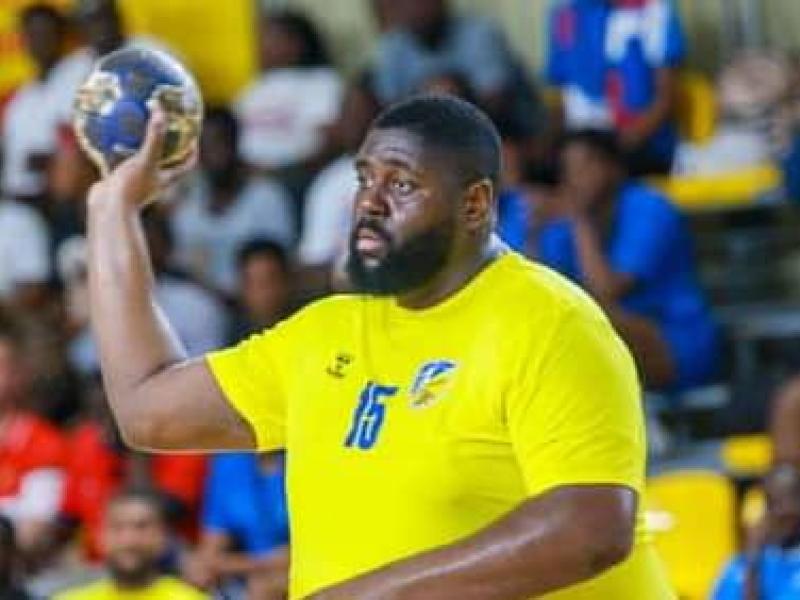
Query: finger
[(167, 177), (151, 150)]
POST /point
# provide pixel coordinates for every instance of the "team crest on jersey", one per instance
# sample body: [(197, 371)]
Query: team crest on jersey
[(432, 381)]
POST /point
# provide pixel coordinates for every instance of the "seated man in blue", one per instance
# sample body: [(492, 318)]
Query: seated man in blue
[(615, 65), (771, 569), (630, 248), (244, 528)]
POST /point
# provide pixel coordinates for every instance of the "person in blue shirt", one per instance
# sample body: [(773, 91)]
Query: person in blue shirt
[(244, 527), (614, 63), (771, 569), (632, 251)]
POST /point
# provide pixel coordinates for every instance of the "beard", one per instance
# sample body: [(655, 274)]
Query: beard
[(129, 574), (404, 267)]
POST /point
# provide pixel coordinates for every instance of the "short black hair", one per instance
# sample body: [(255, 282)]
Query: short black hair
[(453, 125), (315, 52), (7, 537), (262, 246), (225, 118), (43, 10), (154, 498), (604, 143)]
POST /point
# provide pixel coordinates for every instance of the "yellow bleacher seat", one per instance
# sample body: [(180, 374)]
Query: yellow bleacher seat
[(696, 109), (704, 192), (747, 454), (692, 516)]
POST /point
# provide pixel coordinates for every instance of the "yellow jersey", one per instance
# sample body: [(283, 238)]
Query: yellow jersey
[(164, 588), (409, 429)]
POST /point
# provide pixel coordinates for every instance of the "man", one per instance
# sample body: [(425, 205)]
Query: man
[(32, 451), (135, 539), (10, 564), (630, 248), (771, 570), (614, 65), (226, 207), (265, 289), (428, 39), (29, 124), (468, 426)]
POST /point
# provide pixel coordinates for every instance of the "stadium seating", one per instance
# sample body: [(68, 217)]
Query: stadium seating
[(692, 516)]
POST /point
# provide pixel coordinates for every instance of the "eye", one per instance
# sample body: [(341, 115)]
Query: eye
[(404, 186), (364, 180)]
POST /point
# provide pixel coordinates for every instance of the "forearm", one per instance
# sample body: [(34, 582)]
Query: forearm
[(648, 122), (601, 281), (237, 563), (545, 545), (134, 340)]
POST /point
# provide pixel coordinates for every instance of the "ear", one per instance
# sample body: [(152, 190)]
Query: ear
[(478, 206)]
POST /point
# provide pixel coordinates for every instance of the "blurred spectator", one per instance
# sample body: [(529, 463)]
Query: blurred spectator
[(10, 564), (99, 466), (226, 207), (614, 63), (32, 452), (428, 39), (198, 317), (630, 248), (329, 200), (24, 254), (135, 538), (771, 569), (284, 112), (29, 122), (265, 289), (245, 534)]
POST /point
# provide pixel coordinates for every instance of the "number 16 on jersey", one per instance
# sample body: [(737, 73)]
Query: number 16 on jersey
[(369, 416)]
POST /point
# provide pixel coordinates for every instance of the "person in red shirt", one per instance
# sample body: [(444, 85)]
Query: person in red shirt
[(99, 467), (32, 451)]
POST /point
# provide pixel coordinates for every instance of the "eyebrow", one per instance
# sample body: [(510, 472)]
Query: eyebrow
[(392, 162)]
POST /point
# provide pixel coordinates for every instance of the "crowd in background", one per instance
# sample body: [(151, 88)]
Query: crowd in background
[(263, 225)]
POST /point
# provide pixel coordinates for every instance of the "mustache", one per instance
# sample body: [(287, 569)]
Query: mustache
[(373, 226)]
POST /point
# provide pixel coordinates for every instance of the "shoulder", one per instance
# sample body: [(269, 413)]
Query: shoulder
[(638, 200), (175, 589), (15, 214), (533, 291), (93, 591)]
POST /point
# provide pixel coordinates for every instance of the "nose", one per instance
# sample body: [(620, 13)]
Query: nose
[(373, 202)]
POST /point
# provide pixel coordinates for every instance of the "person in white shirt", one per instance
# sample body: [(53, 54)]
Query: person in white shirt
[(226, 207), (24, 253), (29, 120), (329, 201), (286, 110)]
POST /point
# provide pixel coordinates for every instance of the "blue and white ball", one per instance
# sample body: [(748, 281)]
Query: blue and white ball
[(113, 105)]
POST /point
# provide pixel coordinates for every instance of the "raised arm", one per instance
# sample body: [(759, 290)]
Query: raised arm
[(160, 400)]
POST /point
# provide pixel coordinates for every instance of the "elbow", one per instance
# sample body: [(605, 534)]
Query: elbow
[(139, 425), (607, 550)]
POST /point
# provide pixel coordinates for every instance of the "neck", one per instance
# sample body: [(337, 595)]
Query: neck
[(450, 281), (139, 582), (432, 35)]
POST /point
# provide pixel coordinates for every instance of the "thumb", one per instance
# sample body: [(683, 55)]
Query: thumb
[(153, 146)]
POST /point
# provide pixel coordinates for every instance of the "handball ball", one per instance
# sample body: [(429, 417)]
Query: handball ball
[(113, 105)]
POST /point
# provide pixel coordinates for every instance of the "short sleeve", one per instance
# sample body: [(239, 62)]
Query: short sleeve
[(731, 584), (213, 515), (646, 235), (667, 39), (31, 262), (252, 377), (575, 413)]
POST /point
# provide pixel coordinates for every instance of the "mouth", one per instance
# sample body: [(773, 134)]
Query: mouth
[(371, 243)]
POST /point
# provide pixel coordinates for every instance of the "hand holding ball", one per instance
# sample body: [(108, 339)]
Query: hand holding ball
[(114, 105)]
